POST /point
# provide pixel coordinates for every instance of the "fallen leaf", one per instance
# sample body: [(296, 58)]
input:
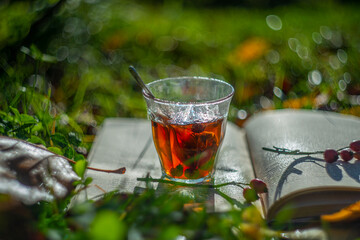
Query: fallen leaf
[(30, 173), (249, 50), (349, 213)]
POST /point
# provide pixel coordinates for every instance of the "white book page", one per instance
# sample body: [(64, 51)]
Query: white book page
[(302, 130)]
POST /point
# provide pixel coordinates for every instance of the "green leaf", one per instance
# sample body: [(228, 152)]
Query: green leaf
[(48, 58), (284, 216), (107, 226), (80, 167), (69, 152), (170, 232), (37, 127), (55, 150), (22, 127), (15, 100), (35, 52), (16, 113), (27, 119), (87, 181), (79, 157), (25, 50), (59, 139), (36, 140)]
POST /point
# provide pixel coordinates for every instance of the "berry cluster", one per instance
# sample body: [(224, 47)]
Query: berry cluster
[(255, 187), (331, 155)]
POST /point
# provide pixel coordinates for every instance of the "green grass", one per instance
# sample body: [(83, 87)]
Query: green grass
[(64, 69)]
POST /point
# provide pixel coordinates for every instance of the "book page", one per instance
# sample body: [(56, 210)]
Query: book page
[(128, 143), (288, 176)]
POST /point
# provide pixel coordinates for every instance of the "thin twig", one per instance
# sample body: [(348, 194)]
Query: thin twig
[(100, 188), (290, 152), (159, 180), (286, 151), (121, 170)]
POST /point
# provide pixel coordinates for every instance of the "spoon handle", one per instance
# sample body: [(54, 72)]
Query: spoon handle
[(140, 81)]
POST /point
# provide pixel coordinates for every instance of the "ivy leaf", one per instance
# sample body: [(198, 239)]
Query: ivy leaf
[(36, 140), (87, 181), (27, 119), (80, 167), (37, 127), (30, 173), (55, 150), (78, 157), (59, 140), (69, 152)]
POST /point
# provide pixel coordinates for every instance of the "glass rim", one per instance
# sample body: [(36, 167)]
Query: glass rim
[(162, 101)]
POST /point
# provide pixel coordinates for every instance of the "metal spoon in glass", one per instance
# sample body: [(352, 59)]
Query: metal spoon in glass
[(140, 81)]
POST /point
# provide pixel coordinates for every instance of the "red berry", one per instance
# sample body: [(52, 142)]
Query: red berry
[(346, 155), (258, 185), (331, 155), (355, 146), (250, 194), (357, 155)]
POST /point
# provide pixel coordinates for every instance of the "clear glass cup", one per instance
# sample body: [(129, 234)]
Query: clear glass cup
[(188, 116)]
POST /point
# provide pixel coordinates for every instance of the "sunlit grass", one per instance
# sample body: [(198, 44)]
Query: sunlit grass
[(62, 74)]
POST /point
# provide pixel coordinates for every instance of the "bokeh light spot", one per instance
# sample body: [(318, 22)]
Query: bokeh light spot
[(302, 52), (340, 95), (278, 92), (342, 85), (166, 43), (266, 103), (334, 62), (74, 55), (242, 114), (293, 43), (62, 53), (326, 32), (317, 37), (273, 57), (342, 55), (347, 77), (181, 33), (314, 77), (94, 27), (274, 22), (336, 39)]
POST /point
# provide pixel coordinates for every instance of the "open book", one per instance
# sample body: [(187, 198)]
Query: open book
[(306, 184)]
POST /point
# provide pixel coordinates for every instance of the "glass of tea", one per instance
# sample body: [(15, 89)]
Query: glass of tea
[(188, 117)]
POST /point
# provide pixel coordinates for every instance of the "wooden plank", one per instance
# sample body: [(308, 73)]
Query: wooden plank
[(128, 143)]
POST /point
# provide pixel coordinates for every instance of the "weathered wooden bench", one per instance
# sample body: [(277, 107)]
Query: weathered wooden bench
[(128, 143)]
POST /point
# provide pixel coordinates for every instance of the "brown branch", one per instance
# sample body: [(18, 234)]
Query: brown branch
[(100, 188), (121, 170)]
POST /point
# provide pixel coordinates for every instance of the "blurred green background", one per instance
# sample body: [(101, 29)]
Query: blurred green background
[(64, 69), (277, 54)]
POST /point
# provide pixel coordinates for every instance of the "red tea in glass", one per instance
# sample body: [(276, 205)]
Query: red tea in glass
[(188, 117), (188, 151)]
